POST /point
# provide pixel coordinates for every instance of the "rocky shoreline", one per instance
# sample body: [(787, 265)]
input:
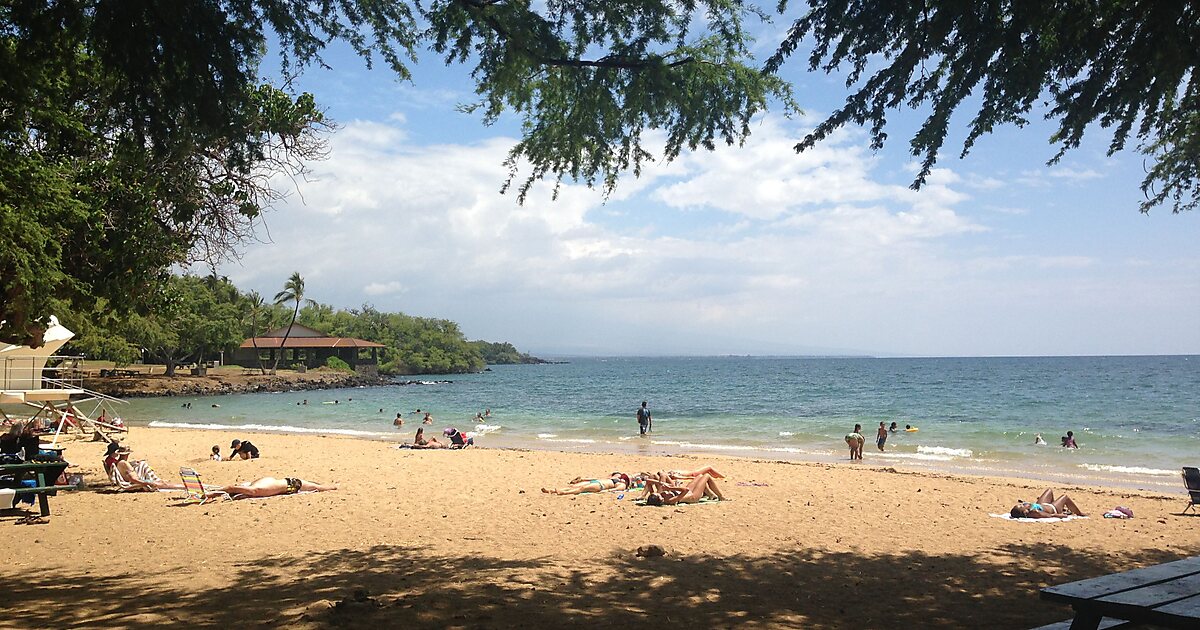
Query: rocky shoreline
[(220, 384)]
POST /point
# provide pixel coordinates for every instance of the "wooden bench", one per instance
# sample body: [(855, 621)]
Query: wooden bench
[(41, 472), (1166, 595)]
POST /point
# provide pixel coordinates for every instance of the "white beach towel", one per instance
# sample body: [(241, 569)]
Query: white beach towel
[(114, 476), (1008, 517), (7, 497)]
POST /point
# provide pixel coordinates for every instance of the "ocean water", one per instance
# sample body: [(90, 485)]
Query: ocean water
[(1136, 419)]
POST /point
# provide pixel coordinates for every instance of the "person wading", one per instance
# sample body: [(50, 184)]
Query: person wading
[(645, 422)]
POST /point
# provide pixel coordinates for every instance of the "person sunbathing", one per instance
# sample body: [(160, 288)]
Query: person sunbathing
[(419, 440), (704, 485), (135, 475), (1046, 506), (668, 476), (579, 485), (270, 487)]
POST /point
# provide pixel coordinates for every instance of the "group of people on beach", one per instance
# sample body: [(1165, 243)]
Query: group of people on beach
[(665, 487), (129, 474), (454, 439), (855, 439)]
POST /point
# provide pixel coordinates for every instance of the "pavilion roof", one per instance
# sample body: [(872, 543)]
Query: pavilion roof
[(310, 342)]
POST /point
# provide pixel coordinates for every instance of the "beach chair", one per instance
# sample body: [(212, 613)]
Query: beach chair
[(1191, 479), (196, 492)]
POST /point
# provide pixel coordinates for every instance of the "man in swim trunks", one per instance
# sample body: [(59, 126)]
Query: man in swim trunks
[(644, 419), (881, 437)]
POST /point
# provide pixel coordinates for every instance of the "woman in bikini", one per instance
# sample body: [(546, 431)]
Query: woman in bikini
[(270, 487), (668, 476), (579, 485), (704, 485), (1046, 506), (419, 441)]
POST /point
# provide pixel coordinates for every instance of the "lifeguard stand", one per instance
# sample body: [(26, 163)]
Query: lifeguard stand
[(56, 392)]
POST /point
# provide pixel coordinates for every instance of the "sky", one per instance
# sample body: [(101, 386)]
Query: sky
[(743, 250)]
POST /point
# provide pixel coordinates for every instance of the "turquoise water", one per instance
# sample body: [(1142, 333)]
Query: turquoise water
[(1136, 419)]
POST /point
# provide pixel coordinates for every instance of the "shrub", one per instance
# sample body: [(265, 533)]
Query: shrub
[(338, 364)]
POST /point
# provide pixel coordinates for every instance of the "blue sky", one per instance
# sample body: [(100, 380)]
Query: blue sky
[(750, 250)]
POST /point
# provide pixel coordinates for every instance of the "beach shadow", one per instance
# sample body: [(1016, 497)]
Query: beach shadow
[(396, 586)]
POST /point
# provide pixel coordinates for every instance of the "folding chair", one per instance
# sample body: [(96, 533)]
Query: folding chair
[(196, 492), (1191, 479)]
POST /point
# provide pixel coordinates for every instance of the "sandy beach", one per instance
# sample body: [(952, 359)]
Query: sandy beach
[(466, 539)]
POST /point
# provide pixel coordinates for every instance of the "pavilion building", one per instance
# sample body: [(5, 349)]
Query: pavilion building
[(310, 348)]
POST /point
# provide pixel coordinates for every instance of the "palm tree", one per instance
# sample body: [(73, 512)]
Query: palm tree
[(257, 306), (293, 290)]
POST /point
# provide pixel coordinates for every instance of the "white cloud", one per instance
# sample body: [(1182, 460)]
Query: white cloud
[(730, 251), (384, 288)]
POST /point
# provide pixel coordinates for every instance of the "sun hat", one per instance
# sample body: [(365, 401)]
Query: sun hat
[(112, 448), (448, 431)]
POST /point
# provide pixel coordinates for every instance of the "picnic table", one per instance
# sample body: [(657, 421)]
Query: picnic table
[(119, 372), (1166, 595), (45, 474)]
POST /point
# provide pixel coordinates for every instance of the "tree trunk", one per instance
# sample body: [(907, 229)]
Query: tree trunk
[(283, 343)]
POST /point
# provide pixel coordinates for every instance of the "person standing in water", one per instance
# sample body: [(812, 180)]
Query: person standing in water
[(645, 421), (855, 441), (881, 437)]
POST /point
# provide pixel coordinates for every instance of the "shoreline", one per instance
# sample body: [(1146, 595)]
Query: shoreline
[(634, 447), (465, 539)]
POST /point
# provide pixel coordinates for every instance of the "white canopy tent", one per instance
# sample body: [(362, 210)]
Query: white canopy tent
[(23, 381)]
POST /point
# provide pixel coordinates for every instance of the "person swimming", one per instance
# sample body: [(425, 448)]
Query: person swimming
[(1037, 440)]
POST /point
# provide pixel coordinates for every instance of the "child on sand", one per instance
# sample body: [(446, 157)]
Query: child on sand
[(855, 441), (216, 453)]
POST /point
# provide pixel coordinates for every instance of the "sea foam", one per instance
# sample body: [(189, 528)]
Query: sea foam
[(946, 451), (1129, 470)]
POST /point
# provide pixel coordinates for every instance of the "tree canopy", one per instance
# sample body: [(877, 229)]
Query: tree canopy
[(198, 318), (1125, 65), (136, 135)]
